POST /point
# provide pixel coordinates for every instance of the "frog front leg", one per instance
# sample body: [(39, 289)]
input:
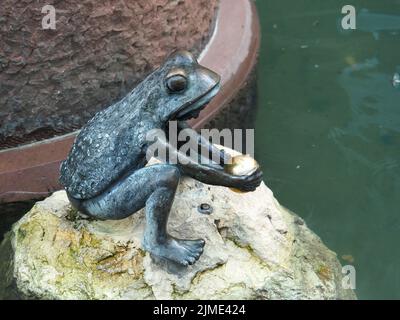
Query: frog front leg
[(154, 188), (210, 174)]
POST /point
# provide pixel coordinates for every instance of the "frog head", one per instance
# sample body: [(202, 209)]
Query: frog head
[(185, 87)]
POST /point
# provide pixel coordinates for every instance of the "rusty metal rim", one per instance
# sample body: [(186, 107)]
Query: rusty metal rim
[(31, 171)]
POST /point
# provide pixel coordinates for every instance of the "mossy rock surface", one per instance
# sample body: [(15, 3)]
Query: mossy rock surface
[(255, 249)]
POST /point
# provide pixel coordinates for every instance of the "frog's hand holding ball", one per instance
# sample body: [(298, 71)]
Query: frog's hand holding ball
[(241, 165), (216, 175)]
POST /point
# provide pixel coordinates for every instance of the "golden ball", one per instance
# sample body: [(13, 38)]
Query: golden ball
[(242, 165)]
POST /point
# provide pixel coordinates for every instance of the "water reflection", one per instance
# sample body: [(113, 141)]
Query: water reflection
[(328, 130)]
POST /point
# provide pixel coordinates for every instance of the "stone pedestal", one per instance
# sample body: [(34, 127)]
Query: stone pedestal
[(255, 249)]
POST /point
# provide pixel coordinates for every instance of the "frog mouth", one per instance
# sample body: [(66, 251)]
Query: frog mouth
[(193, 109)]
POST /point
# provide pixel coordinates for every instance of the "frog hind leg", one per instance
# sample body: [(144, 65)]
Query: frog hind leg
[(157, 240), (154, 188)]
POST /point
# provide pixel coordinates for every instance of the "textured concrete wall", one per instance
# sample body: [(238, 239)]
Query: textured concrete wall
[(53, 81)]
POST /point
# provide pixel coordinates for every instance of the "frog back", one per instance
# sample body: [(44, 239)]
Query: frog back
[(108, 146)]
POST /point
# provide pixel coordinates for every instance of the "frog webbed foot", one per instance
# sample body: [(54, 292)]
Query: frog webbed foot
[(183, 252)]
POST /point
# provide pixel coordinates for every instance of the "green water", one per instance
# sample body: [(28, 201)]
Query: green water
[(328, 128)]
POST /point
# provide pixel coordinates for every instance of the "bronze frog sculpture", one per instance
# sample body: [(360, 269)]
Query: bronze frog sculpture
[(105, 174)]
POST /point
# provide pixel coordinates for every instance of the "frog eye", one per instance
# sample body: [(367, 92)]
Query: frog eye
[(176, 83)]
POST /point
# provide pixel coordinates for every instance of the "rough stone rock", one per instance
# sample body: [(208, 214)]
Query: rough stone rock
[(53, 81), (255, 249)]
